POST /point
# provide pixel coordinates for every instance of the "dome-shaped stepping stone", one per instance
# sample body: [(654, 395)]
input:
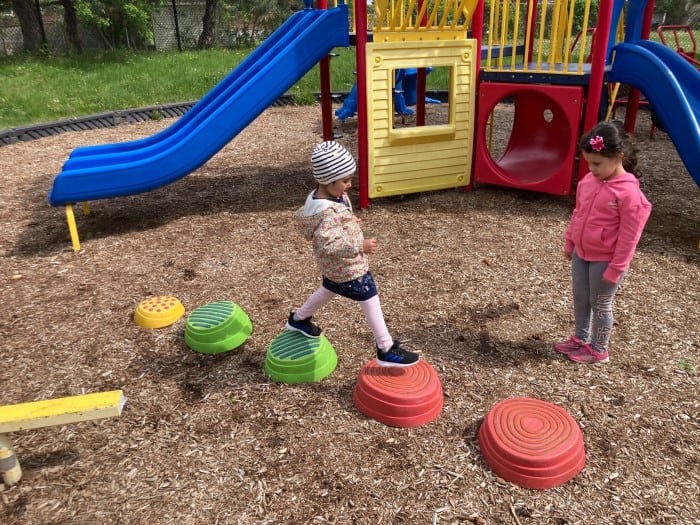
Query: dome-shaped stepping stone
[(399, 396), (159, 311), (217, 327), (532, 443), (294, 358)]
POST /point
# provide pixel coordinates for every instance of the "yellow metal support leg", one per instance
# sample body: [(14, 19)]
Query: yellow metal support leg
[(612, 95), (72, 228)]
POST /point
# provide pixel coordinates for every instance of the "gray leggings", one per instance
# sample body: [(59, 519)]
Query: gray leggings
[(593, 298)]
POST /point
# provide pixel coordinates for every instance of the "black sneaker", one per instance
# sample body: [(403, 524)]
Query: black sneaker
[(305, 326), (396, 356)]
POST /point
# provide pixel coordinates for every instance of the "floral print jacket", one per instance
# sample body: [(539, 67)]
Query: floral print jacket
[(336, 237)]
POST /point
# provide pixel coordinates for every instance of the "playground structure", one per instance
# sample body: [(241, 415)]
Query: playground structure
[(50, 412), (528, 57), (446, 151)]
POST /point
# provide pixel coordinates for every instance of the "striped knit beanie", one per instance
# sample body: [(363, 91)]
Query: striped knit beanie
[(331, 162)]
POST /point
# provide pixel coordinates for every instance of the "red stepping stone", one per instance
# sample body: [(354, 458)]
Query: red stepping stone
[(532, 443), (399, 396)]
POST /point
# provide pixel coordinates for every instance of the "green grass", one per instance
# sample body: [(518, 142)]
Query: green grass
[(44, 89), (37, 89)]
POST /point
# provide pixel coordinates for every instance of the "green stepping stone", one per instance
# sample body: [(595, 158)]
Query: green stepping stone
[(294, 358), (217, 327)]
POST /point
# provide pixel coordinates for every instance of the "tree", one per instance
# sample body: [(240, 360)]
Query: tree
[(253, 20), (677, 12), (121, 23), (30, 24), (694, 13), (70, 18), (692, 10), (208, 34)]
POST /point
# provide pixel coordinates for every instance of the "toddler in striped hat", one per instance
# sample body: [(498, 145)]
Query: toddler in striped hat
[(331, 162), (340, 250)]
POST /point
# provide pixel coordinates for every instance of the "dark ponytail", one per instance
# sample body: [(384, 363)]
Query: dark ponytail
[(610, 139)]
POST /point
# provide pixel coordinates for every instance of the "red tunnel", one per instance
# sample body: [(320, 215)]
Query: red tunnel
[(541, 149)]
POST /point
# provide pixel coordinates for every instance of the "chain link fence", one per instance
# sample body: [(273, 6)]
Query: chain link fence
[(53, 33), (175, 26), (178, 25)]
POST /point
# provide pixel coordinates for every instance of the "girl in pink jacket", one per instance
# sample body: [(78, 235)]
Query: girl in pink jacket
[(340, 250), (601, 238)]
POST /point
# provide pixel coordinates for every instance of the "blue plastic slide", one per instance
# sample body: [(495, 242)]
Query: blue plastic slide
[(115, 170), (672, 87), (207, 104)]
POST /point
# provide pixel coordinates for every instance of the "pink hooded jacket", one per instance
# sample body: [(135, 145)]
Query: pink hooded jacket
[(607, 222)]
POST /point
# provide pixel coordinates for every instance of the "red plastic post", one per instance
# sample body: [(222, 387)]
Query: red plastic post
[(531, 31), (598, 57), (477, 27), (362, 139), (325, 80), (633, 97), (420, 79)]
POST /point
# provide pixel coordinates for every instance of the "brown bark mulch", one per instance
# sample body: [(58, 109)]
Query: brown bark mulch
[(475, 281)]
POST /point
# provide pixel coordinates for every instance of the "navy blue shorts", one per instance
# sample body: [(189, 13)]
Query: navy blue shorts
[(359, 289)]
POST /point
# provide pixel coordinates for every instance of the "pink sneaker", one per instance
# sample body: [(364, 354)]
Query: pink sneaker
[(587, 355), (573, 344)]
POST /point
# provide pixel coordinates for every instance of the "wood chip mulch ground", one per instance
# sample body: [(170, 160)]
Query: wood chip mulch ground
[(476, 281)]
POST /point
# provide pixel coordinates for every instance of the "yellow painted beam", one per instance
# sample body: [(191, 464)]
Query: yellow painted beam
[(61, 411)]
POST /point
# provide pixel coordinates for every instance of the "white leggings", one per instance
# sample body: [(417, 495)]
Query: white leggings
[(372, 309)]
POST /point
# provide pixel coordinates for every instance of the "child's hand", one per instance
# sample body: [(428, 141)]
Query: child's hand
[(369, 246)]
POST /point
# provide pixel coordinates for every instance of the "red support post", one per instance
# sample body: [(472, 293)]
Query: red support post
[(420, 79), (477, 28), (362, 139), (598, 57), (633, 97), (531, 31), (326, 102)]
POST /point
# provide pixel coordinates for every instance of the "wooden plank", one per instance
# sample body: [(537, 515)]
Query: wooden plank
[(60, 411)]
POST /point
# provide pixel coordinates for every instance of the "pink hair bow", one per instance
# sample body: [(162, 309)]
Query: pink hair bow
[(597, 143)]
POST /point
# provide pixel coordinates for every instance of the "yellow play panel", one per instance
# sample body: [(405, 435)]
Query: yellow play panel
[(414, 159)]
